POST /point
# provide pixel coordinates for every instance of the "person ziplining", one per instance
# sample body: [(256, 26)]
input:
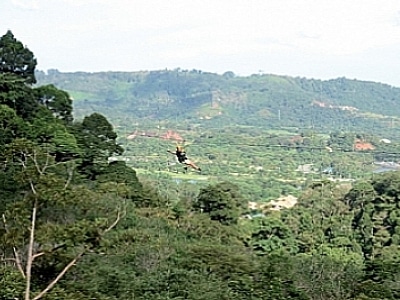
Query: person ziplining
[(180, 154)]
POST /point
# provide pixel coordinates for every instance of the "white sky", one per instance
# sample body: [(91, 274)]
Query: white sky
[(321, 39)]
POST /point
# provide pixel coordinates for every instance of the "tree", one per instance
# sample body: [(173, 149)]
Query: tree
[(57, 101), (17, 95), (323, 276), (228, 75), (52, 225), (16, 59), (46, 129), (321, 218), (97, 139), (376, 220), (17, 74), (273, 280), (11, 126), (119, 172), (222, 202), (270, 235)]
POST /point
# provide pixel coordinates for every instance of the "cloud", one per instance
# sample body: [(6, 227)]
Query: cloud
[(26, 4), (84, 2), (312, 26), (286, 35)]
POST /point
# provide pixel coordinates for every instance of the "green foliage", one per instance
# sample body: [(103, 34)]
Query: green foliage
[(271, 235), (16, 59), (119, 172), (376, 214), (49, 217), (11, 282), (342, 140), (69, 205), (321, 219), (55, 100), (381, 279), (64, 219), (11, 126), (324, 276), (45, 129), (97, 139), (17, 95), (260, 100), (222, 202)]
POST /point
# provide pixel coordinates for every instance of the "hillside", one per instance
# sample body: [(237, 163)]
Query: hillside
[(269, 134), (266, 101), (276, 212)]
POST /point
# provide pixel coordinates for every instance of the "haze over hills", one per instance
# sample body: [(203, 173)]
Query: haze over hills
[(258, 100)]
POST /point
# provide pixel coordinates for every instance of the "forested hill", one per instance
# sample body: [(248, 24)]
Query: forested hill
[(83, 216), (258, 100)]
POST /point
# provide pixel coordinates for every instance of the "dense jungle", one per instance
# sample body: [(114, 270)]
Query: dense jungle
[(297, 197)]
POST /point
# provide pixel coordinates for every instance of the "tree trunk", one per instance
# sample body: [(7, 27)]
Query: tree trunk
[(30, 252)]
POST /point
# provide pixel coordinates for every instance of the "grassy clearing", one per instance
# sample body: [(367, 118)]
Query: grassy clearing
[(80, 96)]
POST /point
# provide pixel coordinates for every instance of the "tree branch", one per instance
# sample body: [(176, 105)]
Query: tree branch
[(38, 255), (70, 175), (114, 223), (22, 162), (59, 276), (36, 163), (47, 163), (50, 251), (32, 187), (72, 262), (16, 255), (8, 259)]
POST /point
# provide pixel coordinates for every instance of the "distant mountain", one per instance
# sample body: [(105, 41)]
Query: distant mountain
[(219, 100)]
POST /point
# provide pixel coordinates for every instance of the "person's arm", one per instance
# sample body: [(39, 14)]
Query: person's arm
[(169, 151)]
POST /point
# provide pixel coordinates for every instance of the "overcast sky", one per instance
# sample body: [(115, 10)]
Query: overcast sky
[(321, 39)]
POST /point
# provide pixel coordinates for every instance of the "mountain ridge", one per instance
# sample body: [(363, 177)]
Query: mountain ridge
[(257, 100)]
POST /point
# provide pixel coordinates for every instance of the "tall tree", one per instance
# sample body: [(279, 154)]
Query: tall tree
[(376, 220), (17, 95), (270, 234), (222, 202), (16, 59), (46, 129), (97, 138), (120, 173), (56, 100), (47, 230)]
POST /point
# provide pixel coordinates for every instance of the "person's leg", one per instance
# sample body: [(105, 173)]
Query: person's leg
[(192, 165), (196, 167)]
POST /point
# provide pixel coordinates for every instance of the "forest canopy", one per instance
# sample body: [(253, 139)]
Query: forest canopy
[(78, 222)]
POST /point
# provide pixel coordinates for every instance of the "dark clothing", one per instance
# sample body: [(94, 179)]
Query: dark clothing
[(181, 156)]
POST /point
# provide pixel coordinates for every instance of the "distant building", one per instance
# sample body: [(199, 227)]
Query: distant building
[(385, 141), (328, 170), (307, 168), (386, 167)]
